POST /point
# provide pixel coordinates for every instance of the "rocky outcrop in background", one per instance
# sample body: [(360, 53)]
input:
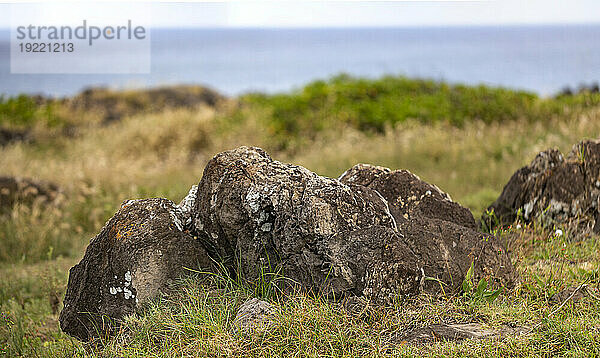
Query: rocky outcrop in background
[(372, 233), (115, 105), (27, 191), (554, 191)]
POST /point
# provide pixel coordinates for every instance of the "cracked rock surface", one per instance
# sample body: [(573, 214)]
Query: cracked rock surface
[(440, 232), (375, 232), (257, 214)]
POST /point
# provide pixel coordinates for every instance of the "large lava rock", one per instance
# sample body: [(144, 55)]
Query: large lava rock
[(256, 214), (553, 190), (139, 251), (339, 237), (440, 232)]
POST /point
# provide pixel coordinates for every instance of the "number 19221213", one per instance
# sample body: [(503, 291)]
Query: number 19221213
[(46, 47)]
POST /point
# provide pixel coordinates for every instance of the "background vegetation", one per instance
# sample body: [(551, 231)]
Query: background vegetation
[(467, 140)]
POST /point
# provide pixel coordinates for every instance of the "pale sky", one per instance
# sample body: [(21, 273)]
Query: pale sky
[(335, 13)]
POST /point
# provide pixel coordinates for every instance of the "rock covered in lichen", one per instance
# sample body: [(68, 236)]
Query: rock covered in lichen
[(374, 233), (553, 190), (440, 232), (139, 251), (257, 214)]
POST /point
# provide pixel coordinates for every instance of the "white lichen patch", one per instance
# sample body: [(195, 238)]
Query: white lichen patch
[(528, 208), (127, 278), (127, 294), (128, 202), (126, 290), (558, 206), (187, 204), (253, 199), (175, 219)]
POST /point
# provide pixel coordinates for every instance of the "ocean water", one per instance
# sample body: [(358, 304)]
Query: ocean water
[(543, 59)]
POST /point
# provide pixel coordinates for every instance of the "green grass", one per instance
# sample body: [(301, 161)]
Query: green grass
[(197, 318), (467, 140)]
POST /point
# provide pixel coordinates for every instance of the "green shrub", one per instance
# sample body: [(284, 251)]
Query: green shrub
[(23, 112), (373, 104), (18, 111)]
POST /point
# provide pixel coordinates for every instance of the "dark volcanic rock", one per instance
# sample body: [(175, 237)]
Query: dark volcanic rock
[(259, 214), (15, 190), (447, 251), (441, 232), (408, 196), (554, 191), (336, 238), (139, 251)]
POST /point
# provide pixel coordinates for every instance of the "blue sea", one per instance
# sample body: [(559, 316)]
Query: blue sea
[(542, 59)]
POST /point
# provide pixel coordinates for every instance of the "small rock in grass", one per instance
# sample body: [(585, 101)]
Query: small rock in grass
[(253, 315)]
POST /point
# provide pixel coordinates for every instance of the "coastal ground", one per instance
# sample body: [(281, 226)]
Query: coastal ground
[(466, 140)]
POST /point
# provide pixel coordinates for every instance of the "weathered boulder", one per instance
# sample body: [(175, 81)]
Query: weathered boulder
[(139, 251), (553, 190), (339, 237), (257, 214), (440, 232), (408, 196), (380, 238), (26, 191), (448, 250)]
